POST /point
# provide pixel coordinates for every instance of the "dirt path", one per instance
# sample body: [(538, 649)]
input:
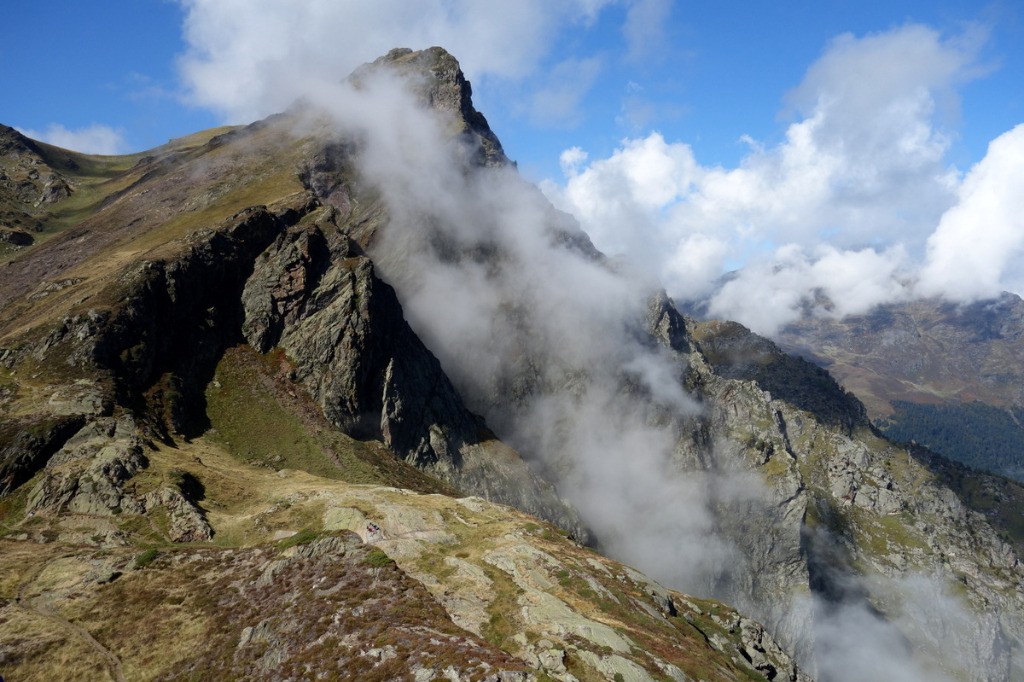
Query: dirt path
[(35, 606)]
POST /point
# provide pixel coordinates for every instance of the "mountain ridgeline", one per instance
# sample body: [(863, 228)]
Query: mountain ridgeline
[(339, 393)]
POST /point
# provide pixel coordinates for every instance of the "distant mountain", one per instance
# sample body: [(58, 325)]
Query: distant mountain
[(265, 413), (947, 376)]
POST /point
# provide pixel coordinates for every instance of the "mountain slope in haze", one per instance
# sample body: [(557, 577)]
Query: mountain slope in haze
[(154, 525), (234, 344), (945, 375)]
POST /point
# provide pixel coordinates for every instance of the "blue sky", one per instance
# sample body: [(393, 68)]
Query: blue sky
[(827, 145), (717, 71)]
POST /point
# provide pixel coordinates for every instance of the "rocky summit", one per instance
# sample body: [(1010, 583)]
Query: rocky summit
[(240, 438)]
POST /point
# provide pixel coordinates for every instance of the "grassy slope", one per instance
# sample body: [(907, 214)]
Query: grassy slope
[(59, 611), (191, 601), (264, 419), (139, 207)]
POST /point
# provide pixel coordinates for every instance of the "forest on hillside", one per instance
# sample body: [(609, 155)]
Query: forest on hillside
[(976, 434)]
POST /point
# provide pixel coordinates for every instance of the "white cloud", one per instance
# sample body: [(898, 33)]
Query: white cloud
[(976, 250), (770, 293), (644, 29), (620, 200), (571, 159), (864, 170), (93, 139), (251, 58)]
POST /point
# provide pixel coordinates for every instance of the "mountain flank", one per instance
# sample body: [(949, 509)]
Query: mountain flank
[(945, 375), (232, 444)]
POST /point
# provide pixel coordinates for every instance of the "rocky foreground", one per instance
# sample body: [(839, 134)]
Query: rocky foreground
[(309, 577)]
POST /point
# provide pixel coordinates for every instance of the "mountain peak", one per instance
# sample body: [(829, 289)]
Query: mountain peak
[(438, 82)]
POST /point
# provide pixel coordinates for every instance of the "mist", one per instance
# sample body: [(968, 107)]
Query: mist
[(539, 333), (547, 339)]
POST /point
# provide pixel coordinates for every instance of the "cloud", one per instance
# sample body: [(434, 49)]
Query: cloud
[(863, 169), (644, 29), (543, 342), (622, 201), (557, 102), (976, 250), (540, 340), (92, 139), (251, 58), (772, 292)]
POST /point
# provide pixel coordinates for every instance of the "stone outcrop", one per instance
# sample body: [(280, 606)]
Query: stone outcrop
[(87, 475), (845, 505), (343, 327), (315, 294), (90, 474)]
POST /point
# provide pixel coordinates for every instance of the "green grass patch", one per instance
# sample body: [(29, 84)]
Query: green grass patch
[(146, 558), (262, 418), (303, 537), (249, 422), (378, 558)]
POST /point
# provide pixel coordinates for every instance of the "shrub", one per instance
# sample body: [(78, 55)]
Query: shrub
[(378, 559), (146, 558)]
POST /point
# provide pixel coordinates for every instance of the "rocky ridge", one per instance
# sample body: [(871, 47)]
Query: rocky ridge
[(851, 503), (107, 443), (28, 185), (373, 583)]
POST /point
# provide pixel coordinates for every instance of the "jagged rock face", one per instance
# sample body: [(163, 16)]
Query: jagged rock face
[(323, 304), (847, 505), (439, 83), (317, 296)]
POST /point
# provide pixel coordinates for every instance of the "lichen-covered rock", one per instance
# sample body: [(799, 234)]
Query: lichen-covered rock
[(186, 522), (87, 475)]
